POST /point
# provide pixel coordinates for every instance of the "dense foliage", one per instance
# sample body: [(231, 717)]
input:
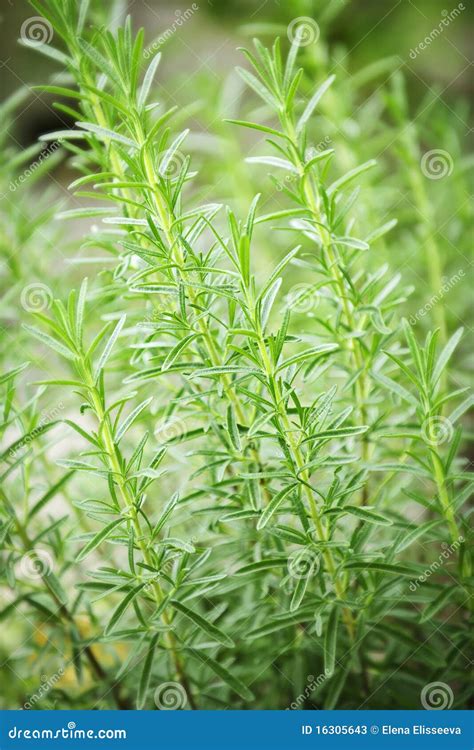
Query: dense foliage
[(235, 474)]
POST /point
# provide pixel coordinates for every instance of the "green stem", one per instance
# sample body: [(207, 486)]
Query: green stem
[(361, 384), (129, 501)]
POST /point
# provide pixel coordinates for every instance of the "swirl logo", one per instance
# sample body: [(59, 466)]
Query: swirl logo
[(436, 164), (171, 164), (170, 696), (302, 298), (171, 429), (437, 430), (36, 31), (303, 563), (303, 31), (71, 725), (35, 564), (436, 696), (36, 297)]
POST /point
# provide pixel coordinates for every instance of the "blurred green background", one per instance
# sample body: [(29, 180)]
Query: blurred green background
[(207, 32)]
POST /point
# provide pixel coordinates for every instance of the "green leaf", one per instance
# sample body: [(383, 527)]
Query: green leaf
[(49, 341), (49, 494), (146, 671), (313, 103), (273, 506), (272, 161), (98, 538), (11, 374), (300, 588), (365, 513), (396, 388), (256, 126), (445, 355), (171, 151), (206, 626), (53, 584), (148, 80), (411, 536), (349, 176), (233, 682), (378, 567), (108, 347), (176, 350), (267, 302), (81, 301), (232, 429), (221, 370), (128, 421), (351, 242), (438, 603), (330, 641), (107, 135), (262, 566), (121, 608), (167, 511), (337, 432), (314, 353), (258, 87)]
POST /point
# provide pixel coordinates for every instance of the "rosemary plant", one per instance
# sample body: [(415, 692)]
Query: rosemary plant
[(259, 471)]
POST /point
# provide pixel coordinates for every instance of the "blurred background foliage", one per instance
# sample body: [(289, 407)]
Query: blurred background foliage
[(367, 44)]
